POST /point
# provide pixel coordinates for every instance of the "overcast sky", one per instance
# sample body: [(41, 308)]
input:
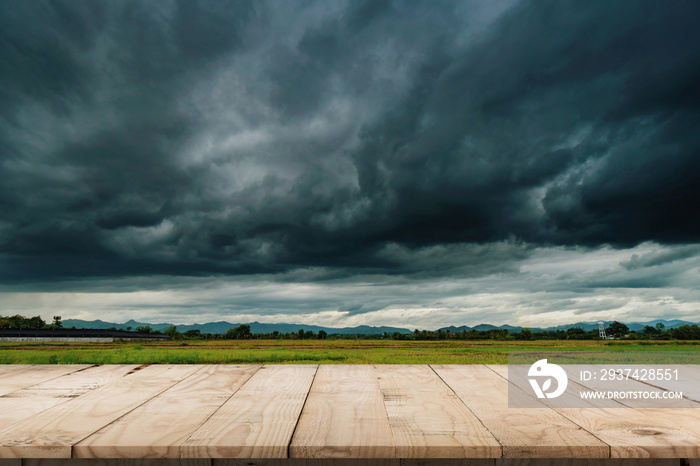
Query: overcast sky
[(403, 163)]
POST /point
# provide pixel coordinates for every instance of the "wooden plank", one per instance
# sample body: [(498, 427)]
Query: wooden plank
[(310, 462), (7, 369), (428, 419), (667, 420), (543, 461), (159, 427), (17, 377), (450, 462), (259, 420), (51, 433), (344, 416), (632, 433), (635, 462), (587, 462), (523, 432), (117, 462), (22, 404)]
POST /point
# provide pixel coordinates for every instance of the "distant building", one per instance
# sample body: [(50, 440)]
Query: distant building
[(86, 335)]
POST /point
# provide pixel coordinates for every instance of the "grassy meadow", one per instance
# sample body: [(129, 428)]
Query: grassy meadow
[(308, 351)]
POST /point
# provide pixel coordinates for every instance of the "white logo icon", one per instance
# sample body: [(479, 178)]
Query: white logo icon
[(542, 369)]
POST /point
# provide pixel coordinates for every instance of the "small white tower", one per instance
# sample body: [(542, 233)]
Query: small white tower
[(601, 330)]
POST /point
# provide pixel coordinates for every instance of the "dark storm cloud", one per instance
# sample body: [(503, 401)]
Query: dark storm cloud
[(369, 137), (656, 258), (545, 130)]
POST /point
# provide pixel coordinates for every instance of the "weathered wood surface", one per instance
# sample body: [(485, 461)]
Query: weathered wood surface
[(159, 427), (344, 417), (53, 432), (427, 418), (26, 402), (398, 414), (350, 462), (259, 420), (634, 433), (17, 377), (523, 432)]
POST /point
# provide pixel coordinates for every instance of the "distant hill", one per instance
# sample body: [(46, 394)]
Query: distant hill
[(637, 326), (485, 328), (257, 327), (222, 327)]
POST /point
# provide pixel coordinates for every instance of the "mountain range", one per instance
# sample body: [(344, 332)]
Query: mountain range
[(257, 327), (636, 326), (222, 327)]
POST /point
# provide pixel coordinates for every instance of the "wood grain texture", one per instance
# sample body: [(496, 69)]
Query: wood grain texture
[(448, 462), (587, 462), (17, 377), (24, 403), (344, 417), (7, 369), (633, 433), (259, 420), (117, 462), (351, 462), (523, 432), (52, 433), (635, 462), (159, 427), (428, 419), (308, 462), (665, 422), (542, 462), (330, 411)]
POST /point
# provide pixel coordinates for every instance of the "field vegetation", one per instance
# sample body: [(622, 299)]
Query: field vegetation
[(329, 351)]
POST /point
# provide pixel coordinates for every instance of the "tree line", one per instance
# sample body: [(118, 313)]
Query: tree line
[(18, 322), (615, 329), (243, 332)]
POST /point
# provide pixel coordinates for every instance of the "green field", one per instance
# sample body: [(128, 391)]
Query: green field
[(308, 351)]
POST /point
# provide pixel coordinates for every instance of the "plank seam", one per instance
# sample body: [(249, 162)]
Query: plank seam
[(667, 390), (66, 400), (469, 409), (49, 380), (562, 415), (624, 405), (85, 368), (391, 426), (386, 412), (296, 424), (179, 451), (72, 447)]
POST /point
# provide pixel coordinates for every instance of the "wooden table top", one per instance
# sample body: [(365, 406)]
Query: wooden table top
[(310, 411)]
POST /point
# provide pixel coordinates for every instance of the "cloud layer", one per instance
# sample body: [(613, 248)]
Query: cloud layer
[(332, 140)]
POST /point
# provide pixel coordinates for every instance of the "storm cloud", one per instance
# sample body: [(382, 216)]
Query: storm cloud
[(317, 142)]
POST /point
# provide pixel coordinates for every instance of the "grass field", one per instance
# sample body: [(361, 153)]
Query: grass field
[(308, 351)]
